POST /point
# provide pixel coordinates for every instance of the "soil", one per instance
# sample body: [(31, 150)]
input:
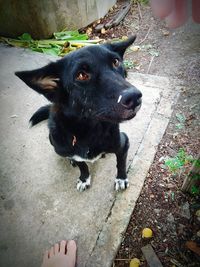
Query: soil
[(172, 214)]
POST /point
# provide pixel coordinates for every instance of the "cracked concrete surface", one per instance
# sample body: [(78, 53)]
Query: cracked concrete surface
[(39, 203)]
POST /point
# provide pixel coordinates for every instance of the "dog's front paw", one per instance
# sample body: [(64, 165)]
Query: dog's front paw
[(121, 184), (81, 186)]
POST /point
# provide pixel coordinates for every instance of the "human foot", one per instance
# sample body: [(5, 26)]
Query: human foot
[(61, 255)]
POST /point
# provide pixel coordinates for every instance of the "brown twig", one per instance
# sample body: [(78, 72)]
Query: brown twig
[(140, 14), (145, 36), (152, 58), (176, 263), (122, 259)]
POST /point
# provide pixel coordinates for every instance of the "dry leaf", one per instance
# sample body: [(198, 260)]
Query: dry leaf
[(89, 31), (135, 48), (193, 247), (166, 33), (103, 31)]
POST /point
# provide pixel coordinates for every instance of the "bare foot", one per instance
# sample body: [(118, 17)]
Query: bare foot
[(61, 255)]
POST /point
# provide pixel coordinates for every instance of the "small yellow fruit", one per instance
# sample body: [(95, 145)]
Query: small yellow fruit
[(134, 262), (147, 233)]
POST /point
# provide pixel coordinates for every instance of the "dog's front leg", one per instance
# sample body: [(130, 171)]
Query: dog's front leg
[(121, 181), (84, 179)]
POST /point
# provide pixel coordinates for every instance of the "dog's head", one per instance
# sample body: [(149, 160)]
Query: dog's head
[(89, 83)]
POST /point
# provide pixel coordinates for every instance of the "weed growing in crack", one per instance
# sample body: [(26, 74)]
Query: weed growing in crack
[(181, 121), (181, 163)]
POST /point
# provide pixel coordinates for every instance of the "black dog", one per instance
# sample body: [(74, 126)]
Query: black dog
[(90, 97)]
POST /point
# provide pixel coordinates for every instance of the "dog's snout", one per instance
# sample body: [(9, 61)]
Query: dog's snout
[(130, 98)]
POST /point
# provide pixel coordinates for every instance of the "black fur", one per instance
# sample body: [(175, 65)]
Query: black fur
[(90, 97), (40, 115)]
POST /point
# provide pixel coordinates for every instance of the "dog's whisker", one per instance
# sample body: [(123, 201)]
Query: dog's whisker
[(105, 111), (101, 112)]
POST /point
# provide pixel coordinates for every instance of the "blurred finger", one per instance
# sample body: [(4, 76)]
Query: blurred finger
[(196, 11), (162, 8), (179, 14)]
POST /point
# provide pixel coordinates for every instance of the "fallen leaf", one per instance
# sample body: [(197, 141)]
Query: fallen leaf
[(14, 116), (135, 48), (166, 33), (191, 245), (154, 53), (146, 47), (138, 67), (103, 31), (89, 31)]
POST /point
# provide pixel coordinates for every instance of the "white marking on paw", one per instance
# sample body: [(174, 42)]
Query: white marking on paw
[(121, 184), (81, 186)]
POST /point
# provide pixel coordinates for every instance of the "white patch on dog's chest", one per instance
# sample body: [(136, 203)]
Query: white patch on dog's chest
[(79, 159)]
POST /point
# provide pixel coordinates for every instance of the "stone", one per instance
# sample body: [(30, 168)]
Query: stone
[(185, 210), (151, 257)]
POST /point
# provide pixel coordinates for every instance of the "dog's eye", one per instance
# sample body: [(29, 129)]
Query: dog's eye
[(116, 63), (82, 76)]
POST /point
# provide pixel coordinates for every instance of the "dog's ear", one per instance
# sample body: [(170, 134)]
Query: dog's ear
[(120, 47), (44, 80)]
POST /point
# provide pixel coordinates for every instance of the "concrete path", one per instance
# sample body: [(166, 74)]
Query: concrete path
[(39, 203)]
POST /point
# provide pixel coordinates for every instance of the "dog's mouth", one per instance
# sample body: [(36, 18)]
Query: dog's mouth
[(119, 115), (129, 114)]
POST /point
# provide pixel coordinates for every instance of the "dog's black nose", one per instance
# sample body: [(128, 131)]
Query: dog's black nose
[(130, 98)]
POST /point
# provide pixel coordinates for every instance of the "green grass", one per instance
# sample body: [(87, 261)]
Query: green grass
[(180, 162)]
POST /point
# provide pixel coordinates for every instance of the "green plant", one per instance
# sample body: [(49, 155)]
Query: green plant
[(181, 119), (143, 2), (129, 64), (59, 45), (179, 161), (195, 188)]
